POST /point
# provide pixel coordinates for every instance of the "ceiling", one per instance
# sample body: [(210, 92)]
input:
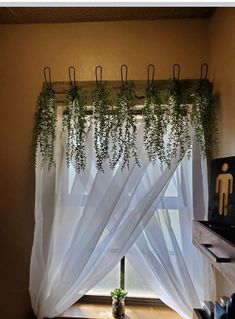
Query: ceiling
[(21, 15)]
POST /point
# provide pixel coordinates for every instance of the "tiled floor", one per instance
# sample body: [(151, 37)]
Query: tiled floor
[(132, 312)]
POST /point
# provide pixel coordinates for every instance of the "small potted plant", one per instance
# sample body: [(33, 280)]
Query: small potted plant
[(118, 302)]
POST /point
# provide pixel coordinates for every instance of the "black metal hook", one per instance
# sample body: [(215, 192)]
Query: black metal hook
[(151, 66), (48, 84), (122, 67), (204, 66), (174, 71), (72, 82), (96, 74)]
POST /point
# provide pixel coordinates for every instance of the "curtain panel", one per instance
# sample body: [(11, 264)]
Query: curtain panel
[(85, 223)]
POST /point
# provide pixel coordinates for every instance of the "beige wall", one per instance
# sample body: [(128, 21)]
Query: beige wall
[(222, 66), (25, 50)]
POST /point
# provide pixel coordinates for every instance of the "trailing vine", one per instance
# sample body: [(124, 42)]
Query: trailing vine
[(44, 128), (116, 132), (203, 117), (75, 124), (155, 115), (179, 140), (102, 105), (124, 127)]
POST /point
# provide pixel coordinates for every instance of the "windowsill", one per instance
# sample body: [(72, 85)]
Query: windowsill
[(130, 300), (104, 311)]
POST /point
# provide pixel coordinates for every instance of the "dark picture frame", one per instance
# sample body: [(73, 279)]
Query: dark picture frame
[(222, 192)]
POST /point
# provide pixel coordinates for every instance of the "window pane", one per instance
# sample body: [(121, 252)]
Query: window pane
[(110, 282), (175, 225), (171, 189), (135, 285)]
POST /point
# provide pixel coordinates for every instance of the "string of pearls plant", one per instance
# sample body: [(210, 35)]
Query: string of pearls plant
[(166, 115)]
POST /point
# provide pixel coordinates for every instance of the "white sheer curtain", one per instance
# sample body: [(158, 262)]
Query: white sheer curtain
[(86, 223), (164, 254)]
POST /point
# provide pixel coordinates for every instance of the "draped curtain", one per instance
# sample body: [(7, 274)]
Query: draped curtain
[(85, 223)]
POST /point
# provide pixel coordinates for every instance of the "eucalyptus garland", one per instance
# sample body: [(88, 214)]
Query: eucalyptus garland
[(156, 118), (179, 140), (102, 104), (44, 127), (124, 128), (203, 117), (74, 123)]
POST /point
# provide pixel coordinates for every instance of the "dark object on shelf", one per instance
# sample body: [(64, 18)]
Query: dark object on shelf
[(200, 314), (222, 193), (208, 307), (227, 232), (230, 307), (220, 312)]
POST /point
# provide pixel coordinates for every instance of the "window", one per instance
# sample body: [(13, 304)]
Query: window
[(132, 282), (111, 281)]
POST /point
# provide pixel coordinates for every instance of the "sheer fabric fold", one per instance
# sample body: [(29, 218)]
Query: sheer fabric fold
[(164, 254)]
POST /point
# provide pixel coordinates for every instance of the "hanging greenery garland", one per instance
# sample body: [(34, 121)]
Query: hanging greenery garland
[(116, 132), (156, 118), (203, 117), (102, 104), (124, 127), (76, 126), (115, 124), (179, 137), (44, 127)]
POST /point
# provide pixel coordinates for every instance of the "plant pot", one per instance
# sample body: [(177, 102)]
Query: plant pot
[(118, 307)]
